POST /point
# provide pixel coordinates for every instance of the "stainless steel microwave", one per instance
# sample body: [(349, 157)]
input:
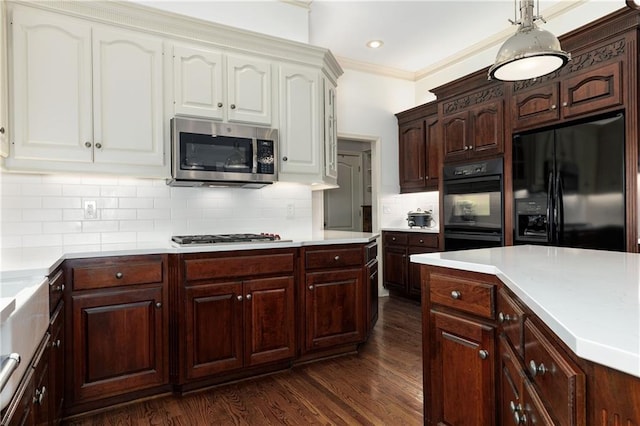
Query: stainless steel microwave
[(208, 153)]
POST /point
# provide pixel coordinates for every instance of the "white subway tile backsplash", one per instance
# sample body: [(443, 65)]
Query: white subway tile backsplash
[(48, 215), (80, 190), (81, 239), (42, 240), (100, 226), (50, 210), (61, 227)]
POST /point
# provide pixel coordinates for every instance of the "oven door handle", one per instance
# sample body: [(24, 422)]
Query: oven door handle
[(549, 208)]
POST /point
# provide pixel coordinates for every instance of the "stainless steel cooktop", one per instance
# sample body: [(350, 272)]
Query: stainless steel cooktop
[(224, 238)]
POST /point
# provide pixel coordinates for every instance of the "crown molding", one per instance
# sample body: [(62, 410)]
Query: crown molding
[(355, 65), (175, 27)]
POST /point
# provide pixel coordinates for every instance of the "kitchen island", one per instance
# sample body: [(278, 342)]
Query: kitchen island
[(547, 332)]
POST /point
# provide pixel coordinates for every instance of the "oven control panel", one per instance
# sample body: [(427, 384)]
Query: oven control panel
[(470, 169)]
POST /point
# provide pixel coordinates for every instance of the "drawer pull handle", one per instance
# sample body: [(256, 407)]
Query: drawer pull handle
[(455, 294), (537, 370), (336, 258), (56, 344), (119, 275), (39, 395), (310, 287), (483, 354), (239, 297), (59, 288), (248, 296), (502, 318), (518, 416)]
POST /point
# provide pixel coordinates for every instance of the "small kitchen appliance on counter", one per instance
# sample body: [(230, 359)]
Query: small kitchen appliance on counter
[(226, 238), (420, 218)]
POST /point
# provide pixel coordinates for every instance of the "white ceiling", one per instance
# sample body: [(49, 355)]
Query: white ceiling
[(422, 35)]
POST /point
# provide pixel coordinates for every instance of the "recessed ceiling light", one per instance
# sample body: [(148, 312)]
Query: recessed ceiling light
[(375, 44)]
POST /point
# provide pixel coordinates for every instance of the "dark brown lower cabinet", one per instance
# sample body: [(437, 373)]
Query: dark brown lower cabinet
[(231, 325), (237, 311), (56, 365), (334, 306), (462, 372), (116, 329)]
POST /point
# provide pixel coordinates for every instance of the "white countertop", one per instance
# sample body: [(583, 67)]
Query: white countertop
[(16, 262), (432, 230), (590, 299)]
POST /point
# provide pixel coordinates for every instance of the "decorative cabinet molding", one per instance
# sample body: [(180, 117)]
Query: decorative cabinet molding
[(330, 133), (4, 87)]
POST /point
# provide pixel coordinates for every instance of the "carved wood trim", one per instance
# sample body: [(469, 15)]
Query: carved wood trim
[(578, 63), (472, 99)]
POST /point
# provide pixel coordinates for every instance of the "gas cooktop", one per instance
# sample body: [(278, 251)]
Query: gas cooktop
[(224, 238)]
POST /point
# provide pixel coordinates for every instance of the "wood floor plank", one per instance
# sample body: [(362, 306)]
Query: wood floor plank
[(381, 385)]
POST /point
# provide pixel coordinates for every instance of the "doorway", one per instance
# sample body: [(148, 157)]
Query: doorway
[(349, 207)]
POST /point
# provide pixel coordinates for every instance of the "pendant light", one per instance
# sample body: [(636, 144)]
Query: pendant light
[(531, 52)]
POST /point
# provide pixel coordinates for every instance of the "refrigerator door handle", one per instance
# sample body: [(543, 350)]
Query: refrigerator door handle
[(559, 221), (550, 209)]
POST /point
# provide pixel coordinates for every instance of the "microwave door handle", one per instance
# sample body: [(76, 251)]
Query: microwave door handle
[(254, 149), (550, 208)]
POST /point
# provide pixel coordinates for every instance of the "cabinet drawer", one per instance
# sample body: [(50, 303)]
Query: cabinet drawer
[(560, 382), (395, 238), (115, 273), (333, 257), (371, 251), (56, 288), (511, 318), (464, 294), (238, 267), (424, 240)]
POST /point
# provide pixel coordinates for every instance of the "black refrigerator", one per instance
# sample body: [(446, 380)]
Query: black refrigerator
[(568, 185)]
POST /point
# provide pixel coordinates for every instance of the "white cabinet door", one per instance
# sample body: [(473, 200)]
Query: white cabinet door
[(127, 90), (4, 94), (300, 123), (197, 75), (330, 133), (52, 87), (248, 90)]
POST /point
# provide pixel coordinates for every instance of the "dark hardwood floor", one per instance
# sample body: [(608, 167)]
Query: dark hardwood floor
[(381, 385)]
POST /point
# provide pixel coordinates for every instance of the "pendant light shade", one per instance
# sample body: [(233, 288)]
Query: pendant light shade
[(531, 52)]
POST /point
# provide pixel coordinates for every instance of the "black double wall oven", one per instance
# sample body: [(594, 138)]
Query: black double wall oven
[(473, 205)]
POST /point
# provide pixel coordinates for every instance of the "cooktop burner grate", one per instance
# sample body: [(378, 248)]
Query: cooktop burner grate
[(224, 238)]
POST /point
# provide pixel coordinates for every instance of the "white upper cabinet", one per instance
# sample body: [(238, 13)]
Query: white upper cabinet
[(249, 90), (230, 88), (4, 88), (300, 124), (127, 98), (330, 134), (198, 86), (52, 98), (86, 97)]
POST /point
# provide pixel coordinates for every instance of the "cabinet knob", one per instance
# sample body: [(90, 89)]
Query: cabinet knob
[(426, 177), (518, 417), (336, 258), (233, 106), (466, 148), (99, 145), (421, 241), (239, 298), (59, 288), (537, 370), (39, 395), (284, 158), (1, 130), (455, 294), (219, 104), (310, 287), (158, 304), (483, 354), (502, 318), (56, 344), (249, 296), (87, 144), (553, 106), (119, 275), (393, 238), (564, 104), (470, 147)]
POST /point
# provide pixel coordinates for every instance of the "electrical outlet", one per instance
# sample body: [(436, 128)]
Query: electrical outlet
[(90, 209), (291, 211)]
